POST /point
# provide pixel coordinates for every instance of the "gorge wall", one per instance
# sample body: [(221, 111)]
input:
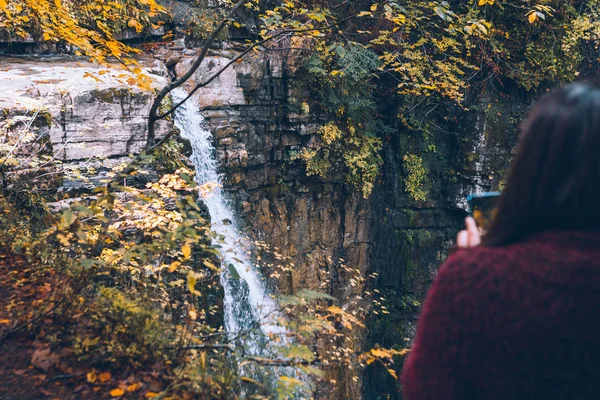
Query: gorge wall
[(257, 122), (255, 117)]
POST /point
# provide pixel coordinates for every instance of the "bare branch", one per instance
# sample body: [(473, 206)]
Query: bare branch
[(279, 362), (152, 117), (245, 53)]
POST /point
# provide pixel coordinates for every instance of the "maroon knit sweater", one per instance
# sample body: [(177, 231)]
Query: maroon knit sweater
[(510, 323)]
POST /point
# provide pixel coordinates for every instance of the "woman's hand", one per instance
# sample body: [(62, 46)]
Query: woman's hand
[(469, 237)]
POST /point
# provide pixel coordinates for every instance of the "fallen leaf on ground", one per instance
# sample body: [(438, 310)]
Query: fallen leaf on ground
[(105, 376), (118, 392), (91, 377), (44, 359), (133, 387)]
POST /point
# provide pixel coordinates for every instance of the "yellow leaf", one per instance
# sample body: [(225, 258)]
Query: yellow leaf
[(134, 387), (105, 376), (210, 265), (374, 7), (191, 281), (3, 4), (187, 251), (57, 3), (289, 379), (532, 17), (193, 315), (151, 395), (91, 377), (335, 310), (381, 353), (174, 265), (89, 75), (118, 392), (4, 321)]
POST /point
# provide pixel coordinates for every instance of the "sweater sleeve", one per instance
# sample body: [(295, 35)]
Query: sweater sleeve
[(436, 366)]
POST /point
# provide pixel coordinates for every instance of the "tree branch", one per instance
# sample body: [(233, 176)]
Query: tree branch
[(152, 117), (242, 55), (279, 362)]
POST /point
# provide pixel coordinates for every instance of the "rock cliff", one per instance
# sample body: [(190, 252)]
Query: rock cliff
[(256, 121), (88, 124)]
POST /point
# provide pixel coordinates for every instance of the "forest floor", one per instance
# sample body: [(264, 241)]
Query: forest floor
[(36, 355)]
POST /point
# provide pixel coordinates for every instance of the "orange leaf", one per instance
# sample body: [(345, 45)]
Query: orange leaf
[(151, 395), (132, 388), (174, 265), (91, 377), (118, 392), (105, 376), (532, 17)]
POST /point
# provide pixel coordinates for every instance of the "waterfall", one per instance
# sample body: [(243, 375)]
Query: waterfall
[(247, 301)]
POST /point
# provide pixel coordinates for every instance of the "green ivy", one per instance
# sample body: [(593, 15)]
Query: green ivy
[(350, 142)]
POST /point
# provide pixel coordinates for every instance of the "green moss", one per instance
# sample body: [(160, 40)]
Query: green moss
[(416, 176), (412, 217), (46, 116), (471, 157), (104, 96), (202, 24), (165, 106)]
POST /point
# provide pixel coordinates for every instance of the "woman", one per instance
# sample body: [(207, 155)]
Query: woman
[(516, 314)]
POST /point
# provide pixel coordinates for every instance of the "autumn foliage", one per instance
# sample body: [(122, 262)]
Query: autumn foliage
[(117, 291)]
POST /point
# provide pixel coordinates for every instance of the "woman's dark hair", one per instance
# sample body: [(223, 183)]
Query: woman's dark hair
[(554, 180)]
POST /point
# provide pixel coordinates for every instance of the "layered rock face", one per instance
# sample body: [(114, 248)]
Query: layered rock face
[(91, 124), (410, 239), (256, 122), (256, 125)]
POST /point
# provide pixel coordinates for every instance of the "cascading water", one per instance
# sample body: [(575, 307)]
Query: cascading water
[(251, 314)]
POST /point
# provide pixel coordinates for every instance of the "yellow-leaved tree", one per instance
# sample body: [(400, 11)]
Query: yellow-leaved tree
[(88, 28)]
